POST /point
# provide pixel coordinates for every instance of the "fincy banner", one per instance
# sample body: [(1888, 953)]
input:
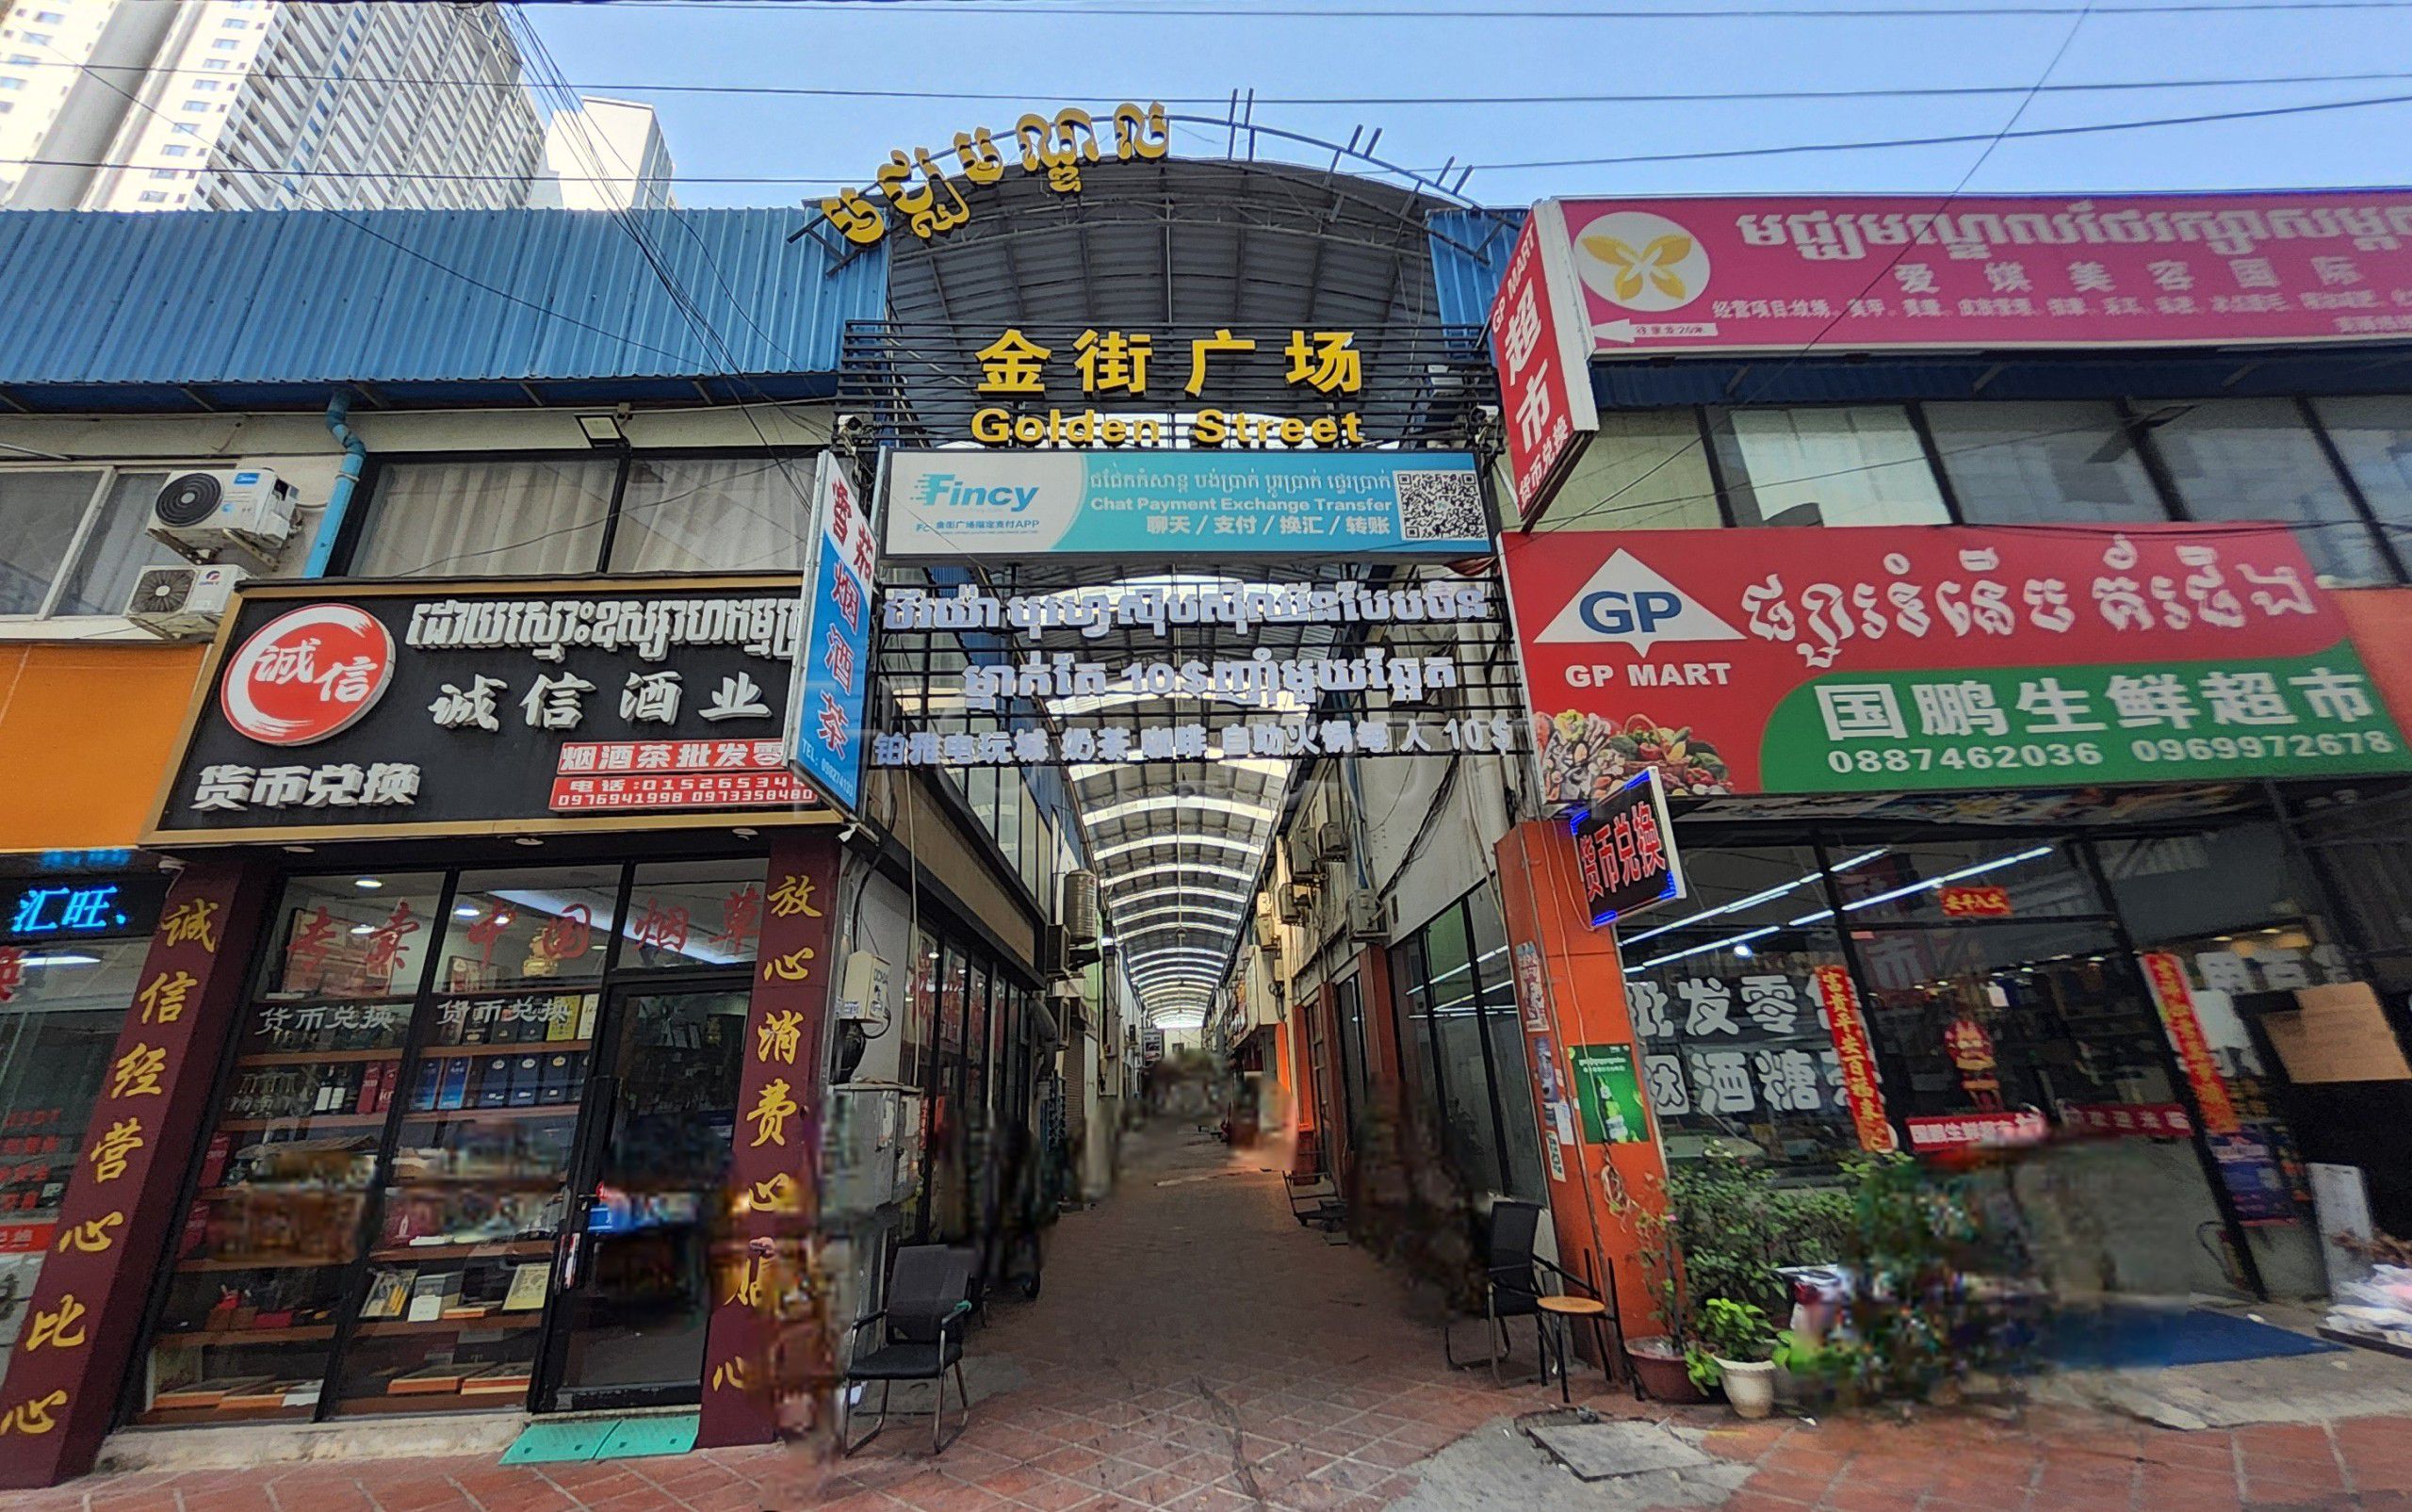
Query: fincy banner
[(961, 504), (1892, 659)]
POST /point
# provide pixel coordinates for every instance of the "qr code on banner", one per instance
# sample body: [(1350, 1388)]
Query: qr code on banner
[(1439, 506)]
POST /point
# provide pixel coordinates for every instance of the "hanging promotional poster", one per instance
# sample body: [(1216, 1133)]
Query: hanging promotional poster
[(952, 505), (1887, 659), (831, 676)]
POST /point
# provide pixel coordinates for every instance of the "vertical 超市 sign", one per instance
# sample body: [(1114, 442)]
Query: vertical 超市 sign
[(1542, 351)]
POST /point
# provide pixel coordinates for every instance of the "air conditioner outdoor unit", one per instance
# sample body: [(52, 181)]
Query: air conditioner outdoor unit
[(1331, 840), (1299, 848), (200, 514), (1365, 921), (182, 603), (1078, 909), (1288, 906)]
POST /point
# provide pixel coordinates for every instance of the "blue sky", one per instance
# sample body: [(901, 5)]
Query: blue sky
[(1045, 60)]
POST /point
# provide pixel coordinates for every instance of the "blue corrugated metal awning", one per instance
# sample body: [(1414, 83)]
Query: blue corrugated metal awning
[(259, 308), (1470, 252)]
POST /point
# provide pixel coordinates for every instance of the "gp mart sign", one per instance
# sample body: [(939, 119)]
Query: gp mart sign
[(1897, 660)]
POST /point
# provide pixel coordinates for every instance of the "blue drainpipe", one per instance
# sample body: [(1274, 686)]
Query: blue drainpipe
[(355, 451)]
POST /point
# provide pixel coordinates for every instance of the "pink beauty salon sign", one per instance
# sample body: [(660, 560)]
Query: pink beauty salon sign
[(1861, 271)]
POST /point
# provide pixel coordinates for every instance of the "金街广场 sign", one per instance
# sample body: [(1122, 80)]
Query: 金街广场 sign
[(964, 505), (1903, 658), (1624, 848), (403, 709), (1899, 271)]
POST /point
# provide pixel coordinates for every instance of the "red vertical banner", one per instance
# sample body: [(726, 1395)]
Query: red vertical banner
[(81, 1323), (2175, 1000), (1861, 1086), (769, 1339), (1543, 352)]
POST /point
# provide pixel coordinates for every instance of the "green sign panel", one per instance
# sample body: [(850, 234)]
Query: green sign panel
[(1610, 1094), (2314, 715)]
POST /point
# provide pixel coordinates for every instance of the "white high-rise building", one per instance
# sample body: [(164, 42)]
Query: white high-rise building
[(607, 154), (164, 105)]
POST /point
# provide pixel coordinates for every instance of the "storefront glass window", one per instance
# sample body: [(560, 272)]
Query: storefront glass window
[(1929, 881), (1646, 470), (1837, 465), (2374, 437), (58, 1027), (712, 514), (529, 928), (1724, 999), (487, 519), (2256, 459), (2040, 464), (1348, 1012), (1465, 1042), (701, 914), (459, 1022), (257, 1295)]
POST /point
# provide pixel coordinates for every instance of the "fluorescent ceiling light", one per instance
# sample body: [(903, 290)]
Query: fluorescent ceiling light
[(1166, 800), (1178, 869), (1172, 838)]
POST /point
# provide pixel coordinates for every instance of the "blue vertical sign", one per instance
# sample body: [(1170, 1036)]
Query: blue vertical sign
[(833, 652)]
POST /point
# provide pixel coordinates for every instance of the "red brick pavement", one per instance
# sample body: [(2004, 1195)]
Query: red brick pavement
[(1196, 1349)]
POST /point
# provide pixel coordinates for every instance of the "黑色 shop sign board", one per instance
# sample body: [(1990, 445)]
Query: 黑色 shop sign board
[(465, 709), (1872, 273), (1884, 659), (953, 504)]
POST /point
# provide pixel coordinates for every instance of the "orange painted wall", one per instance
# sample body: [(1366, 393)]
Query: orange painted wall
[(2381, 621), (1581, 1002), (86, 735)]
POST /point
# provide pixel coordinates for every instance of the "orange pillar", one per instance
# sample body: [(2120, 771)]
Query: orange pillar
[(1570, 991)]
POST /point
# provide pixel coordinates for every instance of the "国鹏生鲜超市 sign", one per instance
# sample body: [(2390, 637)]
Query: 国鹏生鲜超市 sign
[(1903, 272), (961, 504), (478, 708), (1884, 659)]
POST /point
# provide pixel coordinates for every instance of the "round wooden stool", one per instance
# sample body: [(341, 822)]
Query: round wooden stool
[(1562, 1311)]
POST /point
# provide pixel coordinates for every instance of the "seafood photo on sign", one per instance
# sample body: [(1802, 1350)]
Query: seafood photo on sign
[(1586, 756)]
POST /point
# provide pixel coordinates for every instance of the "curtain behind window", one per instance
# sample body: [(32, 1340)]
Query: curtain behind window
[(721, 514), (118, 549), (1837, 465), (487, 518)]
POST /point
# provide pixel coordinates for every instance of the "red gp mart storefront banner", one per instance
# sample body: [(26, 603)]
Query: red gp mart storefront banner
[(1865, 271), (1887, 659)]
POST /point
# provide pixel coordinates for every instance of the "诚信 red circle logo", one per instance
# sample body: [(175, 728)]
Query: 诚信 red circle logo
[(308, 674)]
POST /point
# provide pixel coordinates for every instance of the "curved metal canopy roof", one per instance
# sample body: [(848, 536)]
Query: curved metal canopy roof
[(1178, 846)]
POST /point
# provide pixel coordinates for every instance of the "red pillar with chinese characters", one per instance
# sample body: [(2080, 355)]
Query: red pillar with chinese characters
[(81, 1324), (1570, 991), (769, 1335)]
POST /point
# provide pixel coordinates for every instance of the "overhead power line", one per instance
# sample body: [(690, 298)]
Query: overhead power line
[(1129, 11), (1703, 154), (803, 91)]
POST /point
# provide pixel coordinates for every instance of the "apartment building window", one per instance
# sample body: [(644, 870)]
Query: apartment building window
[(151, 197), (37, 39), (12, 84), (175, 150), (583, 512), (48, 18), (1829, 464), (72, 540), (226, 44), (23, 57), (196, 104)]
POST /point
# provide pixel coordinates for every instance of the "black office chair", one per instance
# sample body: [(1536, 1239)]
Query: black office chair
[(927, 1303), (1512, 1284)]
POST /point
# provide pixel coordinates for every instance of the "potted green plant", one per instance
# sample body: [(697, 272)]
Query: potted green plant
[(1735, 1351), (1659, 1362)]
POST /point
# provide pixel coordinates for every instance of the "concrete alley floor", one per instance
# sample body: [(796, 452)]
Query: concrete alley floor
[(1195, 1348)]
